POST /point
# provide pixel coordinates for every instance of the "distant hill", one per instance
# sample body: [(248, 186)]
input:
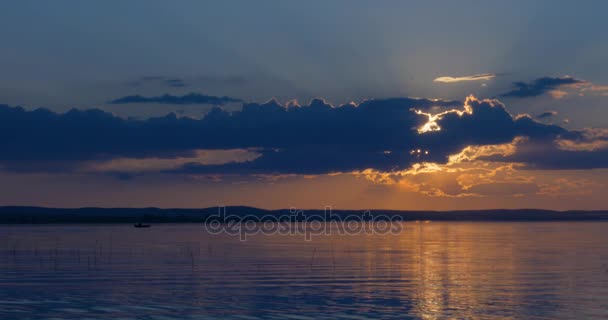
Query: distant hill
[(40, 215)]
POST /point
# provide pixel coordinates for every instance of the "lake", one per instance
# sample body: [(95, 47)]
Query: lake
[(476, 270)]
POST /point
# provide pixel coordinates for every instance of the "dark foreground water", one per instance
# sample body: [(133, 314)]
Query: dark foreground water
[(429, 271)]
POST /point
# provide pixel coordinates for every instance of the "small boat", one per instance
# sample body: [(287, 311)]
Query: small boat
[(141, 225)]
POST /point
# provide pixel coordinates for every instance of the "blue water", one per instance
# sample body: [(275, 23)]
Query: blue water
[(428, 271)]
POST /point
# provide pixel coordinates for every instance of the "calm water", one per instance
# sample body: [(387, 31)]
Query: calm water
[(429, 271)]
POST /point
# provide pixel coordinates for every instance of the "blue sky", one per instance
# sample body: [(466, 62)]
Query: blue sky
[(84, 53)]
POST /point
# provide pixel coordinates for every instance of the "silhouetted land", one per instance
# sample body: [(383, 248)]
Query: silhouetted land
[(39, 215)]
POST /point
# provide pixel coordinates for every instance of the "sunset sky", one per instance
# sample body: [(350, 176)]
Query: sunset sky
[(429, 105)]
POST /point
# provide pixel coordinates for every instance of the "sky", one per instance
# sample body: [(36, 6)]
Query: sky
[(432, 105)]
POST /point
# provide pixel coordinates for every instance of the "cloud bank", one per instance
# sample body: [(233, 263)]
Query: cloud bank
[(542, 86), (191, 98), (389, 135)]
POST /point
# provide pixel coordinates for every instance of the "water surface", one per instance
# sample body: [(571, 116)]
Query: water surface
[(429, 271)]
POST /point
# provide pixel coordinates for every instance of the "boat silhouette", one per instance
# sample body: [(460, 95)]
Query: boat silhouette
[(141, 225)]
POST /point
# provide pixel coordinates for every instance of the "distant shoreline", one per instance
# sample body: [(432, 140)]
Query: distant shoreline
[(42, 215)]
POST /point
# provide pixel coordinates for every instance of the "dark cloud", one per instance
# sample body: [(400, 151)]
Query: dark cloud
[(176, 83), (577, 149), (191, 98), (313, 139), (539, 86), (546, 114), (159, 80), (181, 82), (222, 80), (544, 156)]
